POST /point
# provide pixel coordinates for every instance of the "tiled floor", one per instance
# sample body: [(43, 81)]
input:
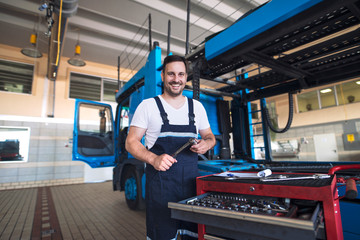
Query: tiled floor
[(83, 211)]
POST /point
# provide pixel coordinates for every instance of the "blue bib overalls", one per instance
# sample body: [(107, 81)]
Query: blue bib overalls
[(173, 185)]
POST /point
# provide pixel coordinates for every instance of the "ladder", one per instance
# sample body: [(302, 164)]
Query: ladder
[(264, 133)]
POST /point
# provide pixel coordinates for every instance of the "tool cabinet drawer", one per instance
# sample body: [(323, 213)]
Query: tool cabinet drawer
[(239, 216)]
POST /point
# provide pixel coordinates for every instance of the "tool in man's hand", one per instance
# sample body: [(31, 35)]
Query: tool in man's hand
[(191, 141)]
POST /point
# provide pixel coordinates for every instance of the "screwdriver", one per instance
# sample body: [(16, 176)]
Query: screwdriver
[(191, 141)]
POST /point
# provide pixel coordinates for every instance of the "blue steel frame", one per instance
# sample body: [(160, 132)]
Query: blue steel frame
[(150, 72), (264, 18), (266, 133)]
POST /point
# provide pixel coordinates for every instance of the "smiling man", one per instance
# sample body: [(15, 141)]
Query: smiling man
[(168, 121)]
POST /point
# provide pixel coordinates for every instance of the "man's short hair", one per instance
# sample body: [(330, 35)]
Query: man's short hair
[(174, 58)]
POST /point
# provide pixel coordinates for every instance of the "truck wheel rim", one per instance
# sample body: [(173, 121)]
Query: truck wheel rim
[(130, 188)]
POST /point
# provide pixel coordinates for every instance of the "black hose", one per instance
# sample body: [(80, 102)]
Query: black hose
[(288, 124)]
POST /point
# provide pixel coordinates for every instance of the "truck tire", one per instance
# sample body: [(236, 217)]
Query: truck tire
[(133, 189)]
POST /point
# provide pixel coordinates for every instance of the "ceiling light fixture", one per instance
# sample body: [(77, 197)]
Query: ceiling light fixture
[(32, 51), (76, 60), (358, 82), (326, 90)]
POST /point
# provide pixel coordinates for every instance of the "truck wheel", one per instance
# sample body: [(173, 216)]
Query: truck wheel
[(133, 193)]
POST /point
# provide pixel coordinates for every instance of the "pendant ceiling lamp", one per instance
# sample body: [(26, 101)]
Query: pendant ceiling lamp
[(76, 60), (32, 51)]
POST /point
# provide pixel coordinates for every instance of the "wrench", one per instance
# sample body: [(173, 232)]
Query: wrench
[(285, 177), (191, 141)]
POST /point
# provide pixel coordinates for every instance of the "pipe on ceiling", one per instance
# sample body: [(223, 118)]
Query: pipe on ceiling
[(58, 13)]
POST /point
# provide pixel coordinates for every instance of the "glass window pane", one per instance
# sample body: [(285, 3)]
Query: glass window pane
[(16, 77), (110, 86), (94, 119), (348, 92), (327, 97), (308, 101), (124, 121), (14, 143), (85, 87), (95, 130)]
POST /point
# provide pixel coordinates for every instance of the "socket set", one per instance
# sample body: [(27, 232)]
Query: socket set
[(245, 203)]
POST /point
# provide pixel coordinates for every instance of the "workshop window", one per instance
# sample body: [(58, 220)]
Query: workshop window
[(344, 93), (16, 77), (110, 86), (327, 97), (308, 101), (14, 144), (348, 92), (85, 87), (92, 87)]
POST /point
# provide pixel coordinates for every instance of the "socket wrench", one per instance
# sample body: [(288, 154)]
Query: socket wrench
[(191, 142)]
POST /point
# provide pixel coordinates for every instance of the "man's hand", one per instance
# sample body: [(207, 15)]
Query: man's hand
[(206, 143), (135, 148), (200, 147), (163, 162)]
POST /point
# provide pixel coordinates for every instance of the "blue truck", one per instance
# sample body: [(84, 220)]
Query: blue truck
[(99, 137)]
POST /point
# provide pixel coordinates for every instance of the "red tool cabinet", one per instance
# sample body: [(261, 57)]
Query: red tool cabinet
[(321, 191)]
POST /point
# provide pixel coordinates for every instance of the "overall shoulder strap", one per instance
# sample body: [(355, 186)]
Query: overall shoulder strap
[(163, 114), (191, 112)]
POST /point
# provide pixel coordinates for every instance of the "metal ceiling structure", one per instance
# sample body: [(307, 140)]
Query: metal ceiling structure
[(112, 28), (316, 47)]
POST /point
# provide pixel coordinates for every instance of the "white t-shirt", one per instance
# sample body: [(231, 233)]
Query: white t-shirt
[(147, 116)]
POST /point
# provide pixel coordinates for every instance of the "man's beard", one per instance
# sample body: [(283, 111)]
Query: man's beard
[(167, 89)]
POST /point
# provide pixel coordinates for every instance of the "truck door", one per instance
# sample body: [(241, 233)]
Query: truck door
[(94, 135)]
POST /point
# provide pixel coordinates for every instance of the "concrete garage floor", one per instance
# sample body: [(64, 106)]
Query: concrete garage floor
[(82, 211)]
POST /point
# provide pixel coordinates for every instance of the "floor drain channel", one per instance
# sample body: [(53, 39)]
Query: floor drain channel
[(46, 224), (48, 232)]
